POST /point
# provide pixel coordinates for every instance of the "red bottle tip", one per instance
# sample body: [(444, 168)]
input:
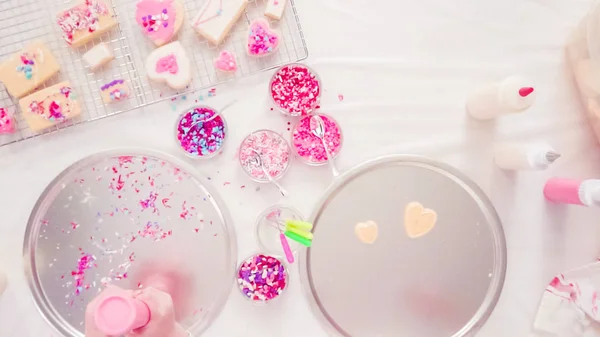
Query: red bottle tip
[(526, 91)]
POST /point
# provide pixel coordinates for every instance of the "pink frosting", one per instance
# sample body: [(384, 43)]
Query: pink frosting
[(226, 62), (151, 16), (6, 122), (167, 63)]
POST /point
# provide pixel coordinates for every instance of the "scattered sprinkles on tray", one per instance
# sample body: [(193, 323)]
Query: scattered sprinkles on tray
[(262, 278), (274, 152), (198, 134), (295, 89), (309, 147)]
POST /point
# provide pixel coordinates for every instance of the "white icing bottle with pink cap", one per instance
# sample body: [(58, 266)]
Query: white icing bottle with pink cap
[(573, 191), (513, 95)]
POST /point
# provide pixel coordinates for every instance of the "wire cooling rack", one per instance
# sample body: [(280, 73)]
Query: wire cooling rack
[(25, 21)]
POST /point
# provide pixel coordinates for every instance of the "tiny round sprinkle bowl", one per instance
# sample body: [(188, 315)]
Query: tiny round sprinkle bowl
[(295, 89), (266, 232), (262, 278), (199, 134), (309, 148), (274, 151)]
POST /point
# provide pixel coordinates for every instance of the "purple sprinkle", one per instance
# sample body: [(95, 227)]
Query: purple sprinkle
[(110, 84)]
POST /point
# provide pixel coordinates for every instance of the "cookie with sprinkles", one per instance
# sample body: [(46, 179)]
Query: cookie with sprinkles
[(262, 40), (160, 20), (7, 124), (86, 21)]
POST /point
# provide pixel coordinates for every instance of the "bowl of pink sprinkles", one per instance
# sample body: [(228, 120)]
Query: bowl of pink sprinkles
[(295, 89)]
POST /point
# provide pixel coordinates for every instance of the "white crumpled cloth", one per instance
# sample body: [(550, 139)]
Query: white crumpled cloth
[(569, 306)]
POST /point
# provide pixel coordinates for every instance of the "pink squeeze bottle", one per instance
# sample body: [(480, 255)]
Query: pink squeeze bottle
[(144, 313), (574, 192)]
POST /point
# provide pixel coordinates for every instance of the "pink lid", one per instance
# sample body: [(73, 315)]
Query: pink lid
[(117, 315)]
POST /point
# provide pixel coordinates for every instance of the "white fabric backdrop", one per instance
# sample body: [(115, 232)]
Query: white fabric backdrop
[(443, 49)]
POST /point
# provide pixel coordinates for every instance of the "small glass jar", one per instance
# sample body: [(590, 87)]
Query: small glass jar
[(262, 278), (309, 148), (266, 229), (274, 152), (292, 93), (199, 136)]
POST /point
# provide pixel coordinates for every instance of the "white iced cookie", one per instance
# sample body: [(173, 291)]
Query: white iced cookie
[(24, 71), (275, 9), (98, 56), (160, 19), (216, 18), (170, 64)]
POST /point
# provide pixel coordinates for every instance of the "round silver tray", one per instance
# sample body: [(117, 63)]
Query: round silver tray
[(445, 283), (125, 217)]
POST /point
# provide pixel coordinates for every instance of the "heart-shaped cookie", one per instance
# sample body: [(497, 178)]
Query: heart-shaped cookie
[(418, 220), (160, 19), (226, 62), (262, 40), (6, 122), (367, 231), (170, 64)]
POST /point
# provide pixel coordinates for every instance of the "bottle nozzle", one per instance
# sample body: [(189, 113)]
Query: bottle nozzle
[(552, 156)]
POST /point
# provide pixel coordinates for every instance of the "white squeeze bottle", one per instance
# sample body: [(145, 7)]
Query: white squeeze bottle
[(524, 156), (512, 95)]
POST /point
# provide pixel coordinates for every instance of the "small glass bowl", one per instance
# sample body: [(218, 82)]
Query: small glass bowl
[(285, 111), (245, 154), (241, 287), (215, 121), (304, 123), (266, 232)]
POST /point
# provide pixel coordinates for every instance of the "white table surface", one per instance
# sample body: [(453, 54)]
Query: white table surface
[(443, 49)]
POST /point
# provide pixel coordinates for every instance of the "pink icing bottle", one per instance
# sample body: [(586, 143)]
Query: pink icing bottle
[(119, 312), (574, 192)]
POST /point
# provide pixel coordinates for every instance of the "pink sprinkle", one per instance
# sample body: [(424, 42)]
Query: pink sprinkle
[(273, 149), (74, 225), (226, 183), (341, 97), (309, 147), (165, 201), (296, 90)]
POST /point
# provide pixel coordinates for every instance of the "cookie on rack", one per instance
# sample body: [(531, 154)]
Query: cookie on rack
[(262, 40), (114, 91), (50, 106), (28, 69), (86, 21), (216, 18), (226, 62), (98, 56), (170, 64), (160, 19), (275, 9), (7, 123)]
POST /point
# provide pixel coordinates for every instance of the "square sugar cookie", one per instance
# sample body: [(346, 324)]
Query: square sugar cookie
[(84, 22), (24, 71), (216, 18), (114, 91), (49, 107)]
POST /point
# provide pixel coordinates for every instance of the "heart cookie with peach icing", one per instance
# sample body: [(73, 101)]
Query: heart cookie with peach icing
[(366, 232), (418, 220)]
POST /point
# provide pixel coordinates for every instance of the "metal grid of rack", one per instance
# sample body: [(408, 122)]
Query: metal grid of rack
[(24, 21)]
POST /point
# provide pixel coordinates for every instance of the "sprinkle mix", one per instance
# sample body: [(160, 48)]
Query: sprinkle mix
[(152, 23), (83, 17), (199, 137), (295, 89), (274, 151), (28, 61), (262, 278), (309, 147), (6, 122)]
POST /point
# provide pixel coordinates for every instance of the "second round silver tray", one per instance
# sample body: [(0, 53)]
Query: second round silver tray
[(442, 284)]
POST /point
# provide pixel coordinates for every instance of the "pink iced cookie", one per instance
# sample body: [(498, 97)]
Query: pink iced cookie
[(7, 124), (160, 19), (226, 62), (262, 40)]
